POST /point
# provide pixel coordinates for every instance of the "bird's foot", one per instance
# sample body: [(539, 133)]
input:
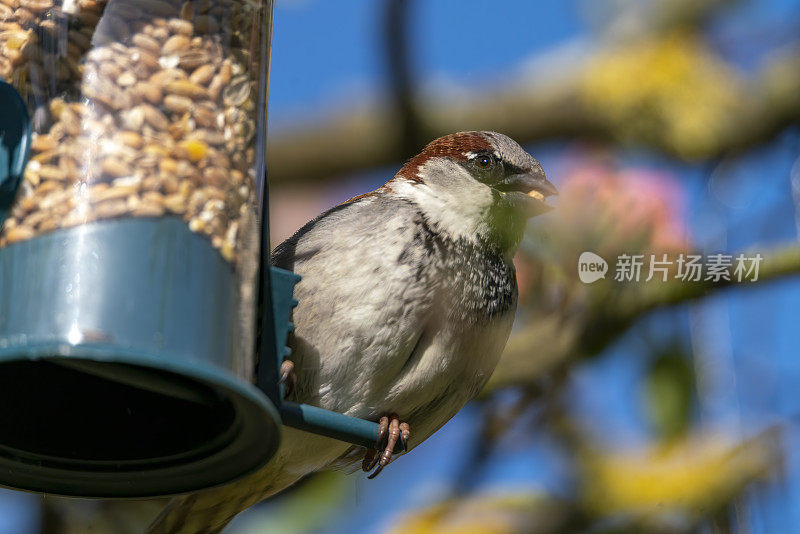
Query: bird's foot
[(288, 378), (390, 429)]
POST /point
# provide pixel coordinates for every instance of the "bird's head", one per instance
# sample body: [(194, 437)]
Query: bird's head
[(476, 184)]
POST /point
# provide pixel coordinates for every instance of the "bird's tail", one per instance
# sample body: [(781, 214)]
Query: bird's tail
[(209, 511)]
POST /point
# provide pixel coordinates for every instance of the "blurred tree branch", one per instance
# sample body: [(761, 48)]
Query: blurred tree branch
[(559, 339), (400, 75), (569, 104), (626, 17)]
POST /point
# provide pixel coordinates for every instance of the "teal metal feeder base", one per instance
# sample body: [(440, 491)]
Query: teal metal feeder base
[(115, 343)]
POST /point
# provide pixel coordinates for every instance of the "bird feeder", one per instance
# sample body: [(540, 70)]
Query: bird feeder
[(135, 288)]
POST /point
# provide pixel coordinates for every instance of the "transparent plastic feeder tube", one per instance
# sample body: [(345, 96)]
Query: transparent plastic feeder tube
[(129, 258), (141, 108)]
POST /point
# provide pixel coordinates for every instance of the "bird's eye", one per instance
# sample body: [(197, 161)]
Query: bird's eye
[(484, 161)]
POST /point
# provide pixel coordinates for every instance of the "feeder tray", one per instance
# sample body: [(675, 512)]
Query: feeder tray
[(93, 405)]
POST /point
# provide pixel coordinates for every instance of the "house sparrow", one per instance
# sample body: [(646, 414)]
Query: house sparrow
[(406, 301)]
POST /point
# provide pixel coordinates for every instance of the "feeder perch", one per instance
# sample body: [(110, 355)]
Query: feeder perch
[(135, 290)]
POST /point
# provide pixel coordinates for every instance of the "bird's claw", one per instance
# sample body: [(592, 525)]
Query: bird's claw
[(288, 378), (390, 429)]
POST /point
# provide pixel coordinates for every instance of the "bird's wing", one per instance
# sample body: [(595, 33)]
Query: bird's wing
[(364, 301)]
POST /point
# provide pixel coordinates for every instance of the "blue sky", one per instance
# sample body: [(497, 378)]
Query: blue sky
[(327, 52)]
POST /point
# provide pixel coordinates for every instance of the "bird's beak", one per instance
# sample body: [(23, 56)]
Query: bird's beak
[(528, 191)]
